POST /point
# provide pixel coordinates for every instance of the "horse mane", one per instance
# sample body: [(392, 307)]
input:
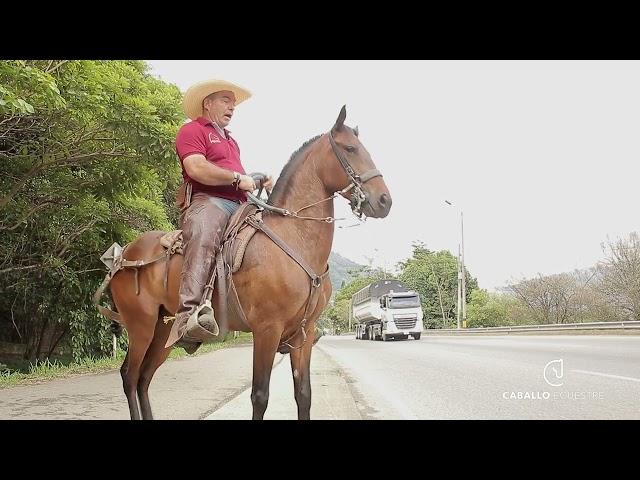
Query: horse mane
[(282, 183)]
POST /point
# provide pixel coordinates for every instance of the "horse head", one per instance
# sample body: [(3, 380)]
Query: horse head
[(351, 172)]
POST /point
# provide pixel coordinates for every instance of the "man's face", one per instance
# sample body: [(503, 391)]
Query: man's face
[(219, 106)]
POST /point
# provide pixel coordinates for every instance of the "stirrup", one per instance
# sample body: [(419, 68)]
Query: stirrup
[(201, 326)]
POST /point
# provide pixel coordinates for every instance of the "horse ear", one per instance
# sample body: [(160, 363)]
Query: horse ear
[(356, 131), (340, 120)]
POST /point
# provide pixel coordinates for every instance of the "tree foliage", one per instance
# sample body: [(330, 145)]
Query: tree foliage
[(619, 275), (568, 297), (488, 309), (434, 275), (87, 158)]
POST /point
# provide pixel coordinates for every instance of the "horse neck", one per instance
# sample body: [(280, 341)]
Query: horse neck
[(312, 239)]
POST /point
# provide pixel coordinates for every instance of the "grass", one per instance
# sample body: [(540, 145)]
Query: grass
[(47, 370)]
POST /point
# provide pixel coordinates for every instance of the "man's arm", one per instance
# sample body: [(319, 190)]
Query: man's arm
[(207, 173)]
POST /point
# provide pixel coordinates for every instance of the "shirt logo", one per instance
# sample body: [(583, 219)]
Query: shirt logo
[(213, 138)]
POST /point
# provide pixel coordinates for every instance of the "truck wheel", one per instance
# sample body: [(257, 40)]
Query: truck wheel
[(416, 336)]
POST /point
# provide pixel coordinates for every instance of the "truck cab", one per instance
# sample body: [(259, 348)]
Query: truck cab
[(401, 315)]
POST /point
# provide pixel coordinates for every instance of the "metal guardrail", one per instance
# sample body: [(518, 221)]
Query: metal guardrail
[(631, 325)]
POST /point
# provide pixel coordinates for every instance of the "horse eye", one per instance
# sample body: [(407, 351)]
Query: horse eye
[(350, 148)]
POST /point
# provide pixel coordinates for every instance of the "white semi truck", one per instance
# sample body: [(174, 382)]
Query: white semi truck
[(386, 309)]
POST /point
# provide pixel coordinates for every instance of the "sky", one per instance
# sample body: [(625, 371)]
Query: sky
[(540, 156)]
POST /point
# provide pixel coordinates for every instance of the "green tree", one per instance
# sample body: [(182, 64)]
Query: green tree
[(488, 309), (434, 275), (87, 158)]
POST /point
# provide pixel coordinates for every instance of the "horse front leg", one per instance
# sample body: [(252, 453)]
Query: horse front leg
[(301, 370), (265, 345)]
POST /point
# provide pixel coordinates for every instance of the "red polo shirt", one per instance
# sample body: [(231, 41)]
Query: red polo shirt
[(200, 136)]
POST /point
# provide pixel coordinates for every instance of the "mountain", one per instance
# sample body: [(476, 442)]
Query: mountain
[(339, 267)]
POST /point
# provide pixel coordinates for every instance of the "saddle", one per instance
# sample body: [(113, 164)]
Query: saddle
[(235, 239), (238, 232)]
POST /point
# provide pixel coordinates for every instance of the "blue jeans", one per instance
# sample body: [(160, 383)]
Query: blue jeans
[(228, 206)]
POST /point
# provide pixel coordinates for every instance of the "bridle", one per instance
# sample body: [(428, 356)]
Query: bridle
[(357, 182)]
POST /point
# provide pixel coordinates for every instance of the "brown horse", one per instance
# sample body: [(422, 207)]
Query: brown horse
[(273, 290)]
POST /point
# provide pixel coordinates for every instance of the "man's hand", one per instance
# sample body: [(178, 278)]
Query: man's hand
[(268, 184), (246, 183)]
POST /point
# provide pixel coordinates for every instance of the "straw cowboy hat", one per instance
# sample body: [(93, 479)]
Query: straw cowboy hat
[(192, 101)]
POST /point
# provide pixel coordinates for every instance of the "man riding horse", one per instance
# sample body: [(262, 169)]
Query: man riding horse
[(214, 187)]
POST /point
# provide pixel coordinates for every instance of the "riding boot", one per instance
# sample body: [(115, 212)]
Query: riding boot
[(203, 226)]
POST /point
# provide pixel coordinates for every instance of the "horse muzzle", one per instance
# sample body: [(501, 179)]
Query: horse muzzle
[(377, 206)]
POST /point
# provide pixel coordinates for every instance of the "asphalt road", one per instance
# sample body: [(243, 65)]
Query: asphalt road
[(494, 377), (438, 377)]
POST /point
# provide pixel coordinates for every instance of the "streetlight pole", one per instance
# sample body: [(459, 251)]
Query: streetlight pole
[(464, 276), (462, 281), (459, 299)]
